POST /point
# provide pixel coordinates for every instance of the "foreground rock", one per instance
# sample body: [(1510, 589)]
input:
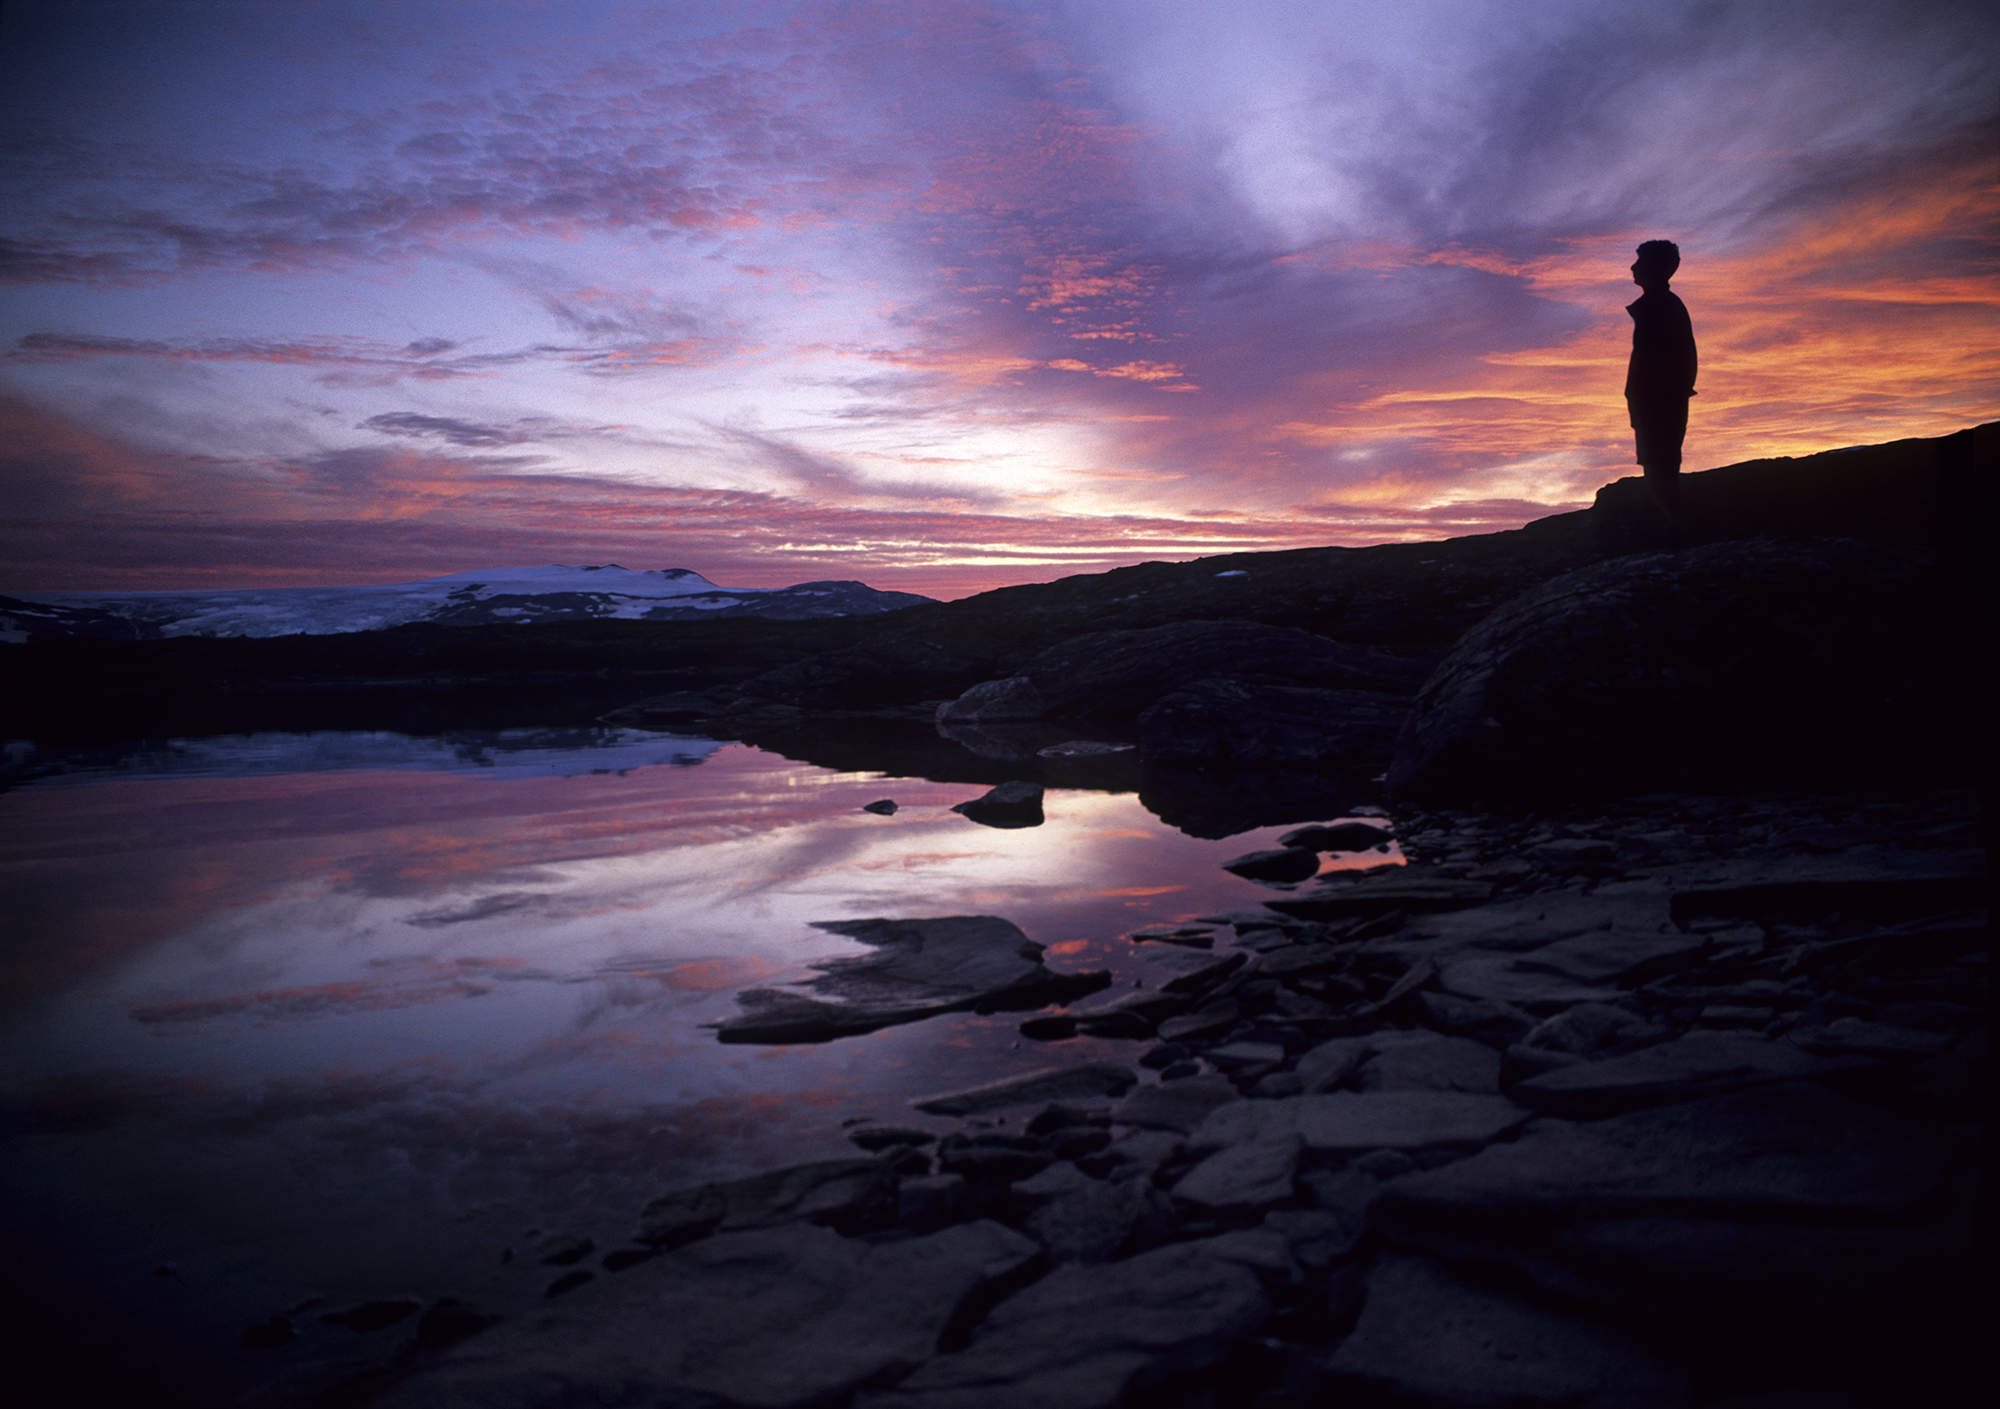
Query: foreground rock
[(1114, 677), (921, 968), (1720, 666), (787, 1318)]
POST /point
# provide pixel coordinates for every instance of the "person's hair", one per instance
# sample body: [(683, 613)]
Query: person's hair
[(1665, 253)]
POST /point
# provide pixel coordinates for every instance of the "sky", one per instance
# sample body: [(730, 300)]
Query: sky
[(943, 295)]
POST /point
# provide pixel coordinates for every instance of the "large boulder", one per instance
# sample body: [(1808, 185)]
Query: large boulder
[(1110, 678), (1774, 661), (1253, 723)]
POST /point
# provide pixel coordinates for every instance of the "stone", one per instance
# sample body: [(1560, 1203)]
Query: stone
[(1347, 836), (919, 969), (1814, 887), (1093, 1336), (930, 1202), (1187, 935), (1210, 1018), (1194, 971), (1252, 723), (374, 1315), (1377, 895), (562, 1249), (1083, 748), (1085, 1219), (1346, 1122), (1070, 1083), (984, 1161), (1574, 853), (1795, 1149), (1242, 1056), (1140, 1152), (882, 807), (1592, 1027), (1432, 1064), (783, 1318), (1174, 1105), (1608, 680), (1303, 960), (1113, 677), (849, 1194), (1317, 1237), (1852, 1037), (1016, 804), (1324, 1067), (1237, 1176), (876, 1138), (1429, 1336), (1495, 978), (1284, 864), (1698, 1064), (1612, 957), (1460, 1016)]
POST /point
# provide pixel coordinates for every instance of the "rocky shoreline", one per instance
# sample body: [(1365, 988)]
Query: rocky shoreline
[(1673, 1101), (1649, 1075)]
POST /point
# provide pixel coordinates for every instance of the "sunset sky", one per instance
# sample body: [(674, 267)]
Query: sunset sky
[(943, 294)]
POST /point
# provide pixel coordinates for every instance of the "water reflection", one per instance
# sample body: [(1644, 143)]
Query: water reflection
[(346, 1014)]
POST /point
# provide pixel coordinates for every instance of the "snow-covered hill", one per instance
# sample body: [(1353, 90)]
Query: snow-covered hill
[(487, 597)]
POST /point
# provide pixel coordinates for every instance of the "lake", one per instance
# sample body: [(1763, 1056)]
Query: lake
[(340, 1016)]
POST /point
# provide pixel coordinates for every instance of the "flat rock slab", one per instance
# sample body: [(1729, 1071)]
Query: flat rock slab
[(836, 1192), (1075, 1083), (1432, 1063), (780, 1319), (1535, 921), (1175, 1105), (920, 968), (1612, 957), (1380, 894), (1346, 1122), (1087, 1337), (1495, 978), (1194, 970), (1698, 1064), (1427, 1336), (1853, 1037), (1237, 1176), (1778, 1150)]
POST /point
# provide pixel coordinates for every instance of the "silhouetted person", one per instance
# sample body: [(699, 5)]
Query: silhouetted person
[(1661, 377)]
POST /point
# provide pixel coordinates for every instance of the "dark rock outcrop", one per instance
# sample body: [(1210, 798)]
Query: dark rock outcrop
[(1250, 723), (1016, 804), (1764, 661), (1111, 678)]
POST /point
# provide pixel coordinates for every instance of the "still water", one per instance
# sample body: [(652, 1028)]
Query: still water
[(349, 1015)]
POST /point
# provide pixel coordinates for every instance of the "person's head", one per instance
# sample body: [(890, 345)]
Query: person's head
[(1657, 261)]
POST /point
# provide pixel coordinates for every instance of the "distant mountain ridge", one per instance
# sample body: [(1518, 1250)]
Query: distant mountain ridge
[(485, 597)]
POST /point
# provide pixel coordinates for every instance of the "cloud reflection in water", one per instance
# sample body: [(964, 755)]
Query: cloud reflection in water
[(353, 1026)]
